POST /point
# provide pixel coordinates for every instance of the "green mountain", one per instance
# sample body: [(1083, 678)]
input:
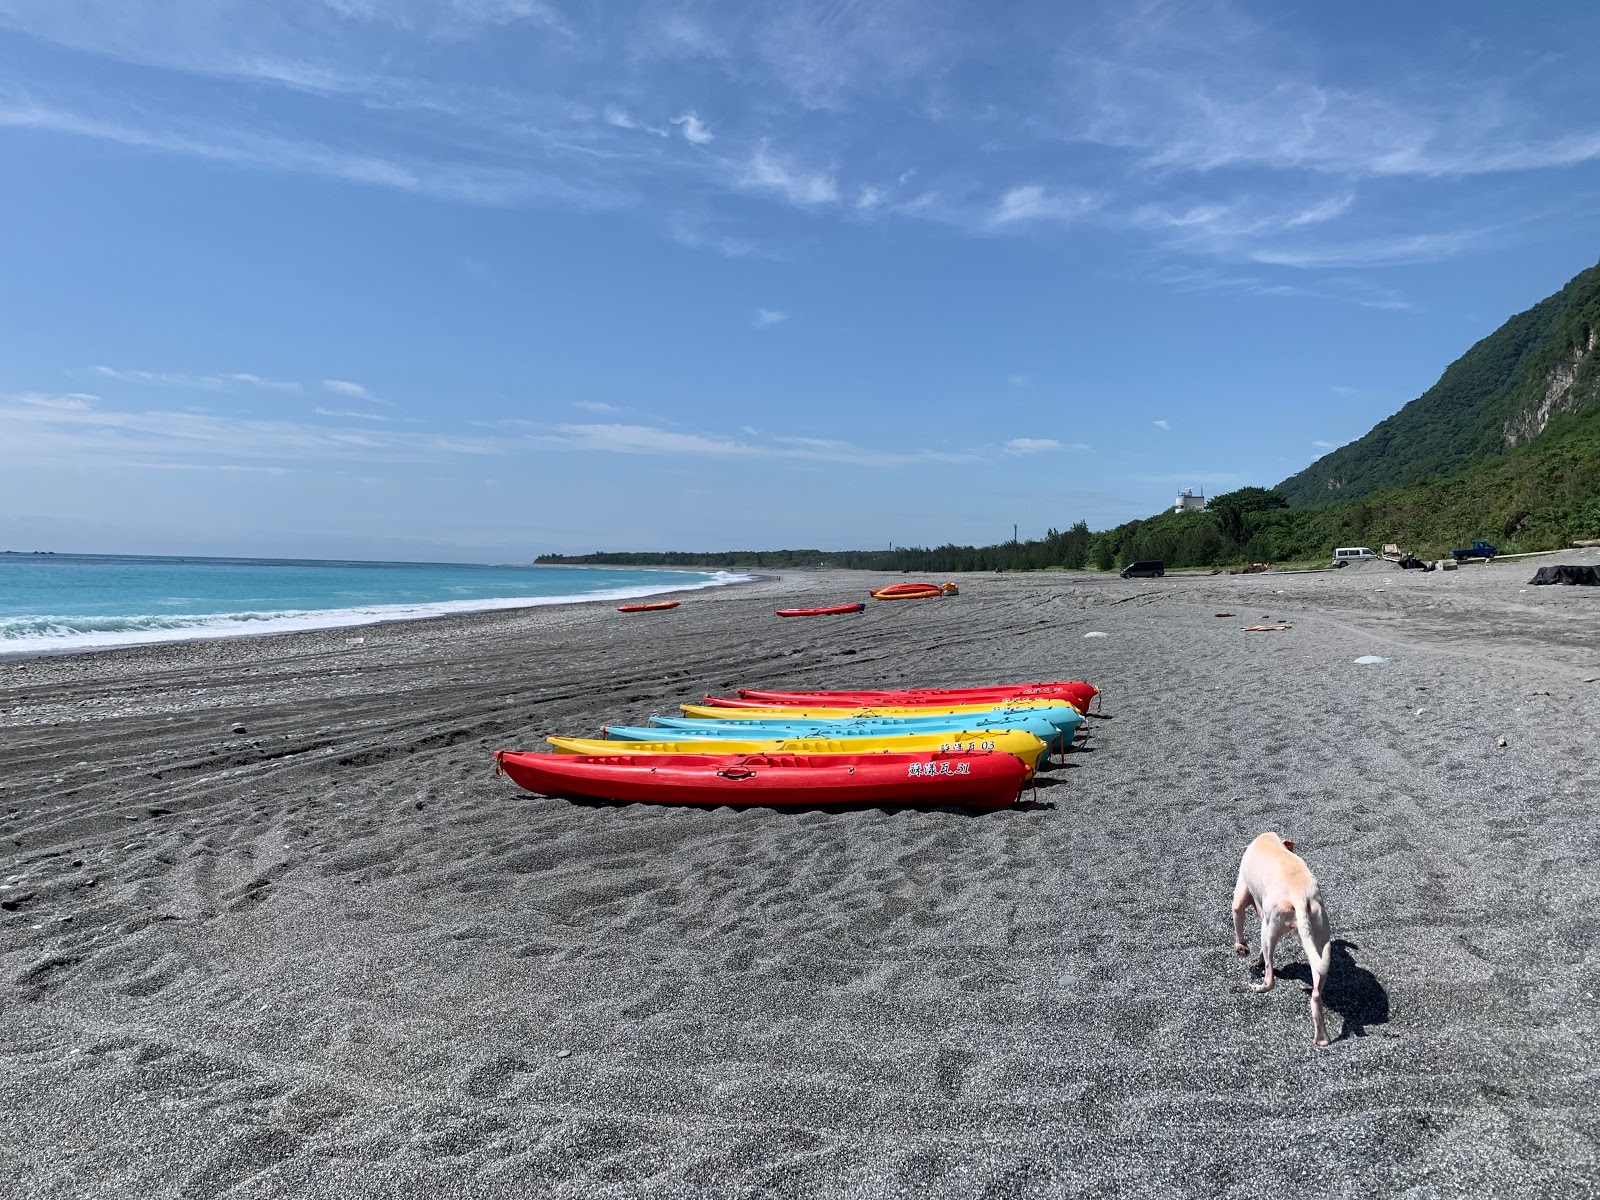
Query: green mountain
[(1500, 394)]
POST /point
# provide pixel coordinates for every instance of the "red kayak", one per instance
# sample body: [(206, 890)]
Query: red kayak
[(820, 612), (659, 606), (1073, 692), (976, 779), (908, 591)]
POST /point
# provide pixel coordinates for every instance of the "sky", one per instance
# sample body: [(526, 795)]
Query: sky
[(481, 279)]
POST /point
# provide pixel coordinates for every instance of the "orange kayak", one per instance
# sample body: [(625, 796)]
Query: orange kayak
[(656, 607)]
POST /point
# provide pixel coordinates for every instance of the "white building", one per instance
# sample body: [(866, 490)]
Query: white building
[(1190, 500)]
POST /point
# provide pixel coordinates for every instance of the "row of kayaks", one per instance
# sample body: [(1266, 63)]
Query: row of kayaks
[(977, 747)]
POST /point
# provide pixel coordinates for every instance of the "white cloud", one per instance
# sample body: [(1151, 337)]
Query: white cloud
[(596, 406), (766, 318), (1324, 445), (64, 402), (488, 184), (1379, 252), (218, 382), (1020, 381), (345, 412), (356, 391), (1032, 445), (1165, 106), (1162, 425), (619, 438), (693, 129), (764, 171), (1032, 202), (87, 430)]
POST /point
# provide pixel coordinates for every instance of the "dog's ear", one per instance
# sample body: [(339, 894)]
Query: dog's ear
[(1287, 844)]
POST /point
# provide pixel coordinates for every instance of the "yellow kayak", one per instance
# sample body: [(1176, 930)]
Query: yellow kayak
[(1029, 748)]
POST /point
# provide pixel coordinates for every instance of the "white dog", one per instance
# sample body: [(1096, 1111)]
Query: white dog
[(1282, 889)]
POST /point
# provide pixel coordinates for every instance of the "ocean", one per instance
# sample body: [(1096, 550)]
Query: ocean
[(56, 602)]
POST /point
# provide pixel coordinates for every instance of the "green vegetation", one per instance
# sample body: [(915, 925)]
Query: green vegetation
[(1465, 418), (1055, 549), (1541, 496)]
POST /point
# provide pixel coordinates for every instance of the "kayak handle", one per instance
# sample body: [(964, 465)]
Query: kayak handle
[(736, 773)]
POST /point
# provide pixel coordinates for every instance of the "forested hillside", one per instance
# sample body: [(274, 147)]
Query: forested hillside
[(1540, 496), (1497, 395)]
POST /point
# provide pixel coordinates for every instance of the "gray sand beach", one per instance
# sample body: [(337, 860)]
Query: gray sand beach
[(335, 956)]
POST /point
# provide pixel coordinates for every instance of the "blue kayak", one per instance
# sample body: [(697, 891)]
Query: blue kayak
[(702, 729), (1061, 717)]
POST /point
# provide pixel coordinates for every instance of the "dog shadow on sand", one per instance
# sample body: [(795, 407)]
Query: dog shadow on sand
[(1352, 991)]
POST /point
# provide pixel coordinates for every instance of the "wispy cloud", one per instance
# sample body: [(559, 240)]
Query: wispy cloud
[(766, 318), (1023, 445), (461, 182), (1209, 133), (356, 391), (86, 428), (1321, 445), (1033, 202), (766, 171), (693, 129), (350, 413), (596, 406), (621, 438), (1162, 425), (1380, 252), (217, 382)]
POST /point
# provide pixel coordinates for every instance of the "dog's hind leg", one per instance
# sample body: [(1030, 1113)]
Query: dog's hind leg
[(1242, 900), (1271, 931)]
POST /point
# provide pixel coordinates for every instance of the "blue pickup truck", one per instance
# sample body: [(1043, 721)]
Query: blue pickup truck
[(1479, 549)]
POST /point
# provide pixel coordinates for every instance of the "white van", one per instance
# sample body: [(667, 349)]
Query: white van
[(1345, 555)]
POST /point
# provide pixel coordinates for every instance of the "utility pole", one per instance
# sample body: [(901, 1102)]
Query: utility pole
[(1013, 535)]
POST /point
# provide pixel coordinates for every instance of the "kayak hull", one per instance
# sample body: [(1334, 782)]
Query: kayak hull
[(660, 606), (832, 610), (984, 780)]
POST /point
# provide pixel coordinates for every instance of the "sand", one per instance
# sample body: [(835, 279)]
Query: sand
[(336, 956)]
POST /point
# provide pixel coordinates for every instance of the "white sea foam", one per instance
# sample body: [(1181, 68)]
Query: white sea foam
[(31, 635)]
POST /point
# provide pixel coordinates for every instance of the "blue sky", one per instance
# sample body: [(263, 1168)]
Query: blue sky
[(482, 278)]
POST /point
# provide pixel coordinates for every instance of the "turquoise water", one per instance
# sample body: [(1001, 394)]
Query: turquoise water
[(80, 601)]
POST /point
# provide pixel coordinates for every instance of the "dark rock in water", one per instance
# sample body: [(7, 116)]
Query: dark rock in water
[(1588, 576)]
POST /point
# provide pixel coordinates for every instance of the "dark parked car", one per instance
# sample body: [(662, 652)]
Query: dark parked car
[(1152, 568)]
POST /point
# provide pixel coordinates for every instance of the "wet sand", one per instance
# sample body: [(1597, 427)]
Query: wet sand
[(336, 956)]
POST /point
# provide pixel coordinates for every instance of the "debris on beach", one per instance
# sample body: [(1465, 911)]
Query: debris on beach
[(1262, 628), (1096, 634), (1227, 614), (1500, 741), (1367, 659)]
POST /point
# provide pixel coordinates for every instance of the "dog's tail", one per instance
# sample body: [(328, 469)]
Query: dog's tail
[(1318, 956)]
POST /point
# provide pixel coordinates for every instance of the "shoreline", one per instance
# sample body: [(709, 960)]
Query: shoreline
[(295, 622), (335, 955)]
